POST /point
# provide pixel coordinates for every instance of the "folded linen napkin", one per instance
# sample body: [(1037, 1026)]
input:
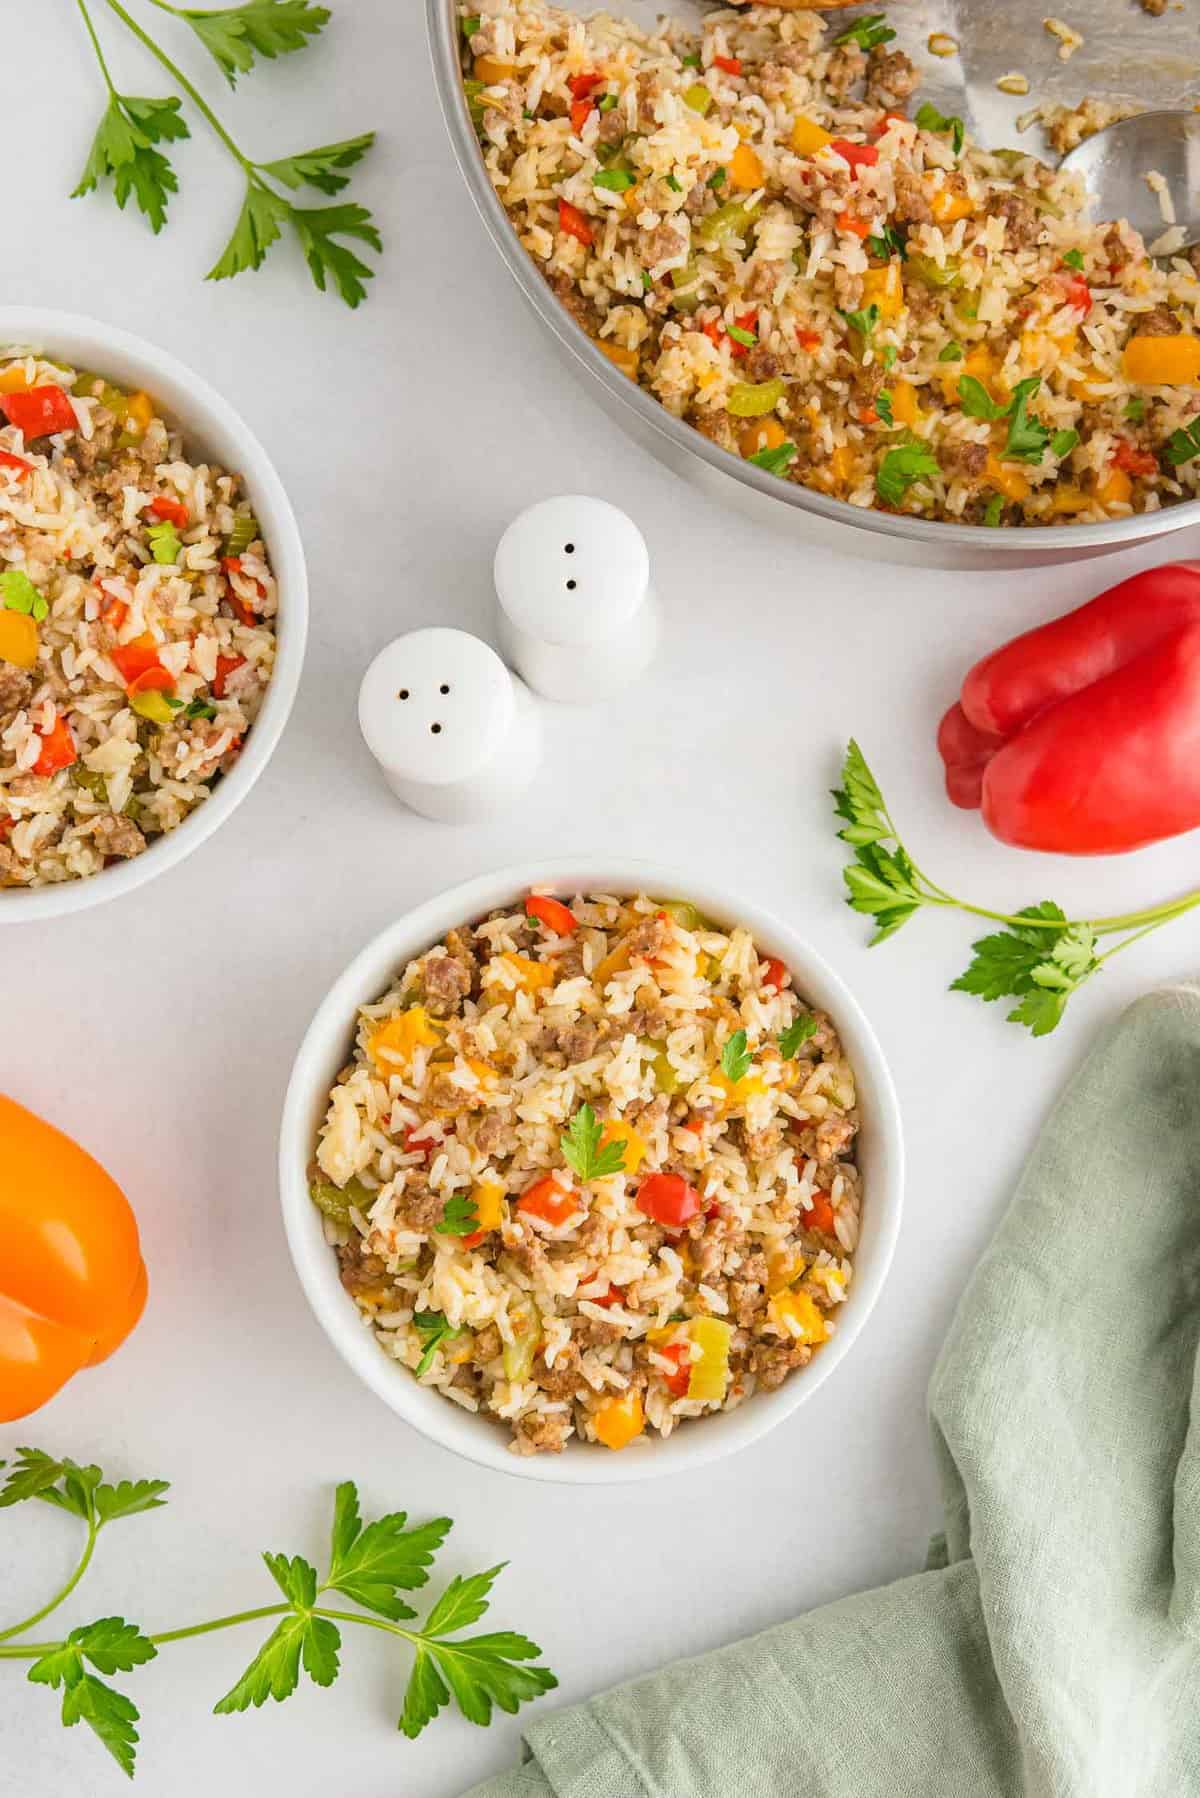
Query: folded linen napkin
[(1051, 1649)]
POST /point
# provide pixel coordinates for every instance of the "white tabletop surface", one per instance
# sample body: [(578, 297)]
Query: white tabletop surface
[(160, 1030)]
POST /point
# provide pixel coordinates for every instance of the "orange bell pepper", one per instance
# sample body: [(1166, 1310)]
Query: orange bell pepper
[(72, 1278)]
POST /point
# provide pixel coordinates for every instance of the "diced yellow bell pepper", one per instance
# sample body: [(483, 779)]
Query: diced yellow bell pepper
[(784, 1268), (620, 1421), (1040, 347), (1007, 479), (740, 1092), (745, 168), (1171, 361), (759, 435), (139, 413), (1116, 489), (979, 362), (708, 1378), (808, 137), (1067, 497), (839, 469), (531, 976), (946, 206), (615, 962), (14, 379), (489, 1204), (799, 1315), (636, 1147), (490, 70), (18, 639), (632, 201), (1083, 390), (884, 288), (392, 1046), (619, 356), (905, 411)]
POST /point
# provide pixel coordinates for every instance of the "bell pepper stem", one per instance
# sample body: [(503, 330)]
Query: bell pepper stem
[(17, 1629)]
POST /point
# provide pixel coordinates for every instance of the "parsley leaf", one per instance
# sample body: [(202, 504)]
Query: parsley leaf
[(18, 594), (616, 181), (433, 1328), (165, 545), (951, 352), (994, 510), (370, 1565), (718, 177), (976, 401), (741, 336), (1074, 259), (1135, 409), (31, 1474), (1183, 444), (930, 119), (108, 1714), (129, 1499), (777, 460), (736, 1058), (673, 184), (798, 1032), (460, 1218), (900, 468), (234, 35), (481, 1671), (881, 881), (122, 150), (1039, 967), (888, 354), (864, 321), (200, 708), (883, 406), (889, 243), (112, 1646), (320, 168), (258, 227), (1027, 437), (1063, 442), (275, 1670), (317, 227), (581, 1148), (867, 32)]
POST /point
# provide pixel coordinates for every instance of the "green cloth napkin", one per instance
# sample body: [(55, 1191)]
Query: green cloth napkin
[(1051, 1647)]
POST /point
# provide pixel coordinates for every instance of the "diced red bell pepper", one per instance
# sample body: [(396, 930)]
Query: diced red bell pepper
[(550, 1201), (58, 748), (242, 607), (39, 411), (582, 85), (113, 611), (6, 825), (581, 112), (732, 65), (849, 221), (154, 680), (614, 1296), (552, 913), (414, 1142), (808, 340), (857, 155), (133, 661), (1132, 459), (226, 665), (8, 460), (164, 506), (819, 1216), (669, 1200), (572, 222), (1080, 737), (884, 120), (775, 975), (1075, 291), (677, 1383)]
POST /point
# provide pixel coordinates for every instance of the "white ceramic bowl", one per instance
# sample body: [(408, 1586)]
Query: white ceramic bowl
[(325, 1049), (212, 430)]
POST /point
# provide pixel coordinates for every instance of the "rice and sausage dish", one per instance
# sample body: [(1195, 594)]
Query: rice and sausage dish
[(137, 632), (590, 1170), (748, 222)]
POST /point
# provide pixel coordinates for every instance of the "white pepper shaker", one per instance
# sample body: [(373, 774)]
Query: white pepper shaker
[(577, 614), (455, 734)]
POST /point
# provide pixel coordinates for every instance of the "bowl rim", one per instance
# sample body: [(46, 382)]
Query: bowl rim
[(46, 329), (936, 535), (323, 1050)]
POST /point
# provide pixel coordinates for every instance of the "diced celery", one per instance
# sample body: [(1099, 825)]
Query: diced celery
[(335, 1201), (754, 399), (152, 705), (697, 97), (527, 1329), (734, 219), (934, 274), (94, 784)]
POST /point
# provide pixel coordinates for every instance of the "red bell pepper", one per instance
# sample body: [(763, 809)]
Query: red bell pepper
[(163, 506), (8, 460), (550, 912), (775, 975), (39, 411), (849, 221), (549, 1201), (572, 222), (732, 65), (669, 1200), (614, 1296), (582, 85), (857, 155), (1132, 459), (58, 748), (677, 1383), (884, 121), (226, 665), (819, 1216), (137, 660), (1083, 736)]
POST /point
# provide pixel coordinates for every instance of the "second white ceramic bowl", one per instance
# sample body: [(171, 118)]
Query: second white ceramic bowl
[(211, 430), (326, 1047)]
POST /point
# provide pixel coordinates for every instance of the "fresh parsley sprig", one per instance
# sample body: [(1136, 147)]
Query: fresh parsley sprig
[(798, 1032), (736, 1058), (930, 119), (581, 1148), (369, 1564), (433, 1328), (1039, 958), (1184, 443), (124, 147), (867, 32), (1027, 437), (460, 1218)]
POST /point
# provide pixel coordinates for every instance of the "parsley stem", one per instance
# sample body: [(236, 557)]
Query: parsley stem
[(205, 1629), (177, 74), (91, 31), (392, 1629), (17, 1629)]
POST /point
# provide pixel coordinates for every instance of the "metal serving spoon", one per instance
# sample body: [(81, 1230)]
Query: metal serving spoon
[(1115, 162)]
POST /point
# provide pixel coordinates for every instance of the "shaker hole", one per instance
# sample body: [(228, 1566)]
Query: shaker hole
[(569, 548), (403, 693), (443, 689), (436, 729), (570, 586)]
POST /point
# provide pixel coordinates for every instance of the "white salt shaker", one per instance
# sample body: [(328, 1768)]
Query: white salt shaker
[(455, 734), (577, 613)]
